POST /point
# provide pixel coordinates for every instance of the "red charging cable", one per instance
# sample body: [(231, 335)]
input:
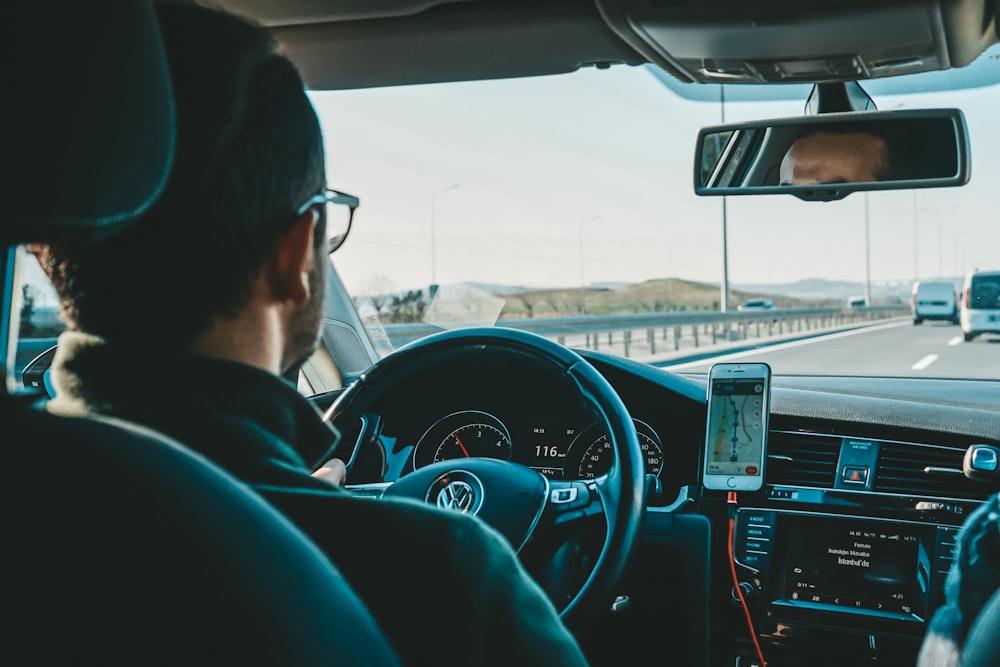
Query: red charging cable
[(736, 581)]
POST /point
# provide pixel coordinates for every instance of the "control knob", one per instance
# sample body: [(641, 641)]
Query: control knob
[(747, 589)]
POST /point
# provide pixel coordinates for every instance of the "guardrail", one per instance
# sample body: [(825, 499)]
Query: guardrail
[(664, 332)]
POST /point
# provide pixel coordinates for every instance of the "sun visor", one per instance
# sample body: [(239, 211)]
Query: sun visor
[(87, 118), (783, 42)]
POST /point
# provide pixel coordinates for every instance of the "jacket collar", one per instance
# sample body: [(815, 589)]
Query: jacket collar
[(236, 414)]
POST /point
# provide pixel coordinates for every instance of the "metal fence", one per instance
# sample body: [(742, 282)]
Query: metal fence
[(646, 334)]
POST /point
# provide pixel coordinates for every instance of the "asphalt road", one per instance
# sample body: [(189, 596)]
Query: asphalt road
[(893, 348), (896, 348)]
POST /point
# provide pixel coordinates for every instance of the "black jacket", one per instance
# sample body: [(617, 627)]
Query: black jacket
[(973, 578), (446, 588)]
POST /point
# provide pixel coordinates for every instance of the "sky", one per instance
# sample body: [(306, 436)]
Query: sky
[(586, 178)]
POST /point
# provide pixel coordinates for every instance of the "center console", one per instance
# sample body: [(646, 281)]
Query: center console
[(845, 573), (860, 577), (840, 585)]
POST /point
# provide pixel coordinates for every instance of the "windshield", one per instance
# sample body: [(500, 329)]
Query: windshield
[(565, 205)]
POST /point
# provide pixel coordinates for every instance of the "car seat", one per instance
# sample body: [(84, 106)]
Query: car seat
[(119, 544)]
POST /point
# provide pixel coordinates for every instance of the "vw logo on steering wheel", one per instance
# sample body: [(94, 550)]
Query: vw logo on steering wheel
[(458, 490), (457, 496)]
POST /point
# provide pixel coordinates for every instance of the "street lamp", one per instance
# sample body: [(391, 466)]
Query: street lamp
[(583, 302), (916, 244), (724, 296), (868, 258), (434, 233)]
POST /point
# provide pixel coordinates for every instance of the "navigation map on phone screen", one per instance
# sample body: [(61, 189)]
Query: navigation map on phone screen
[(736, 427)]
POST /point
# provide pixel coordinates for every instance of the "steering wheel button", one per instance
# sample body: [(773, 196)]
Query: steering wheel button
[(560, 496)]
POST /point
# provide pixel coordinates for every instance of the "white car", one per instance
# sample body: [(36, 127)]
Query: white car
[(857, 302), (980, 304), (755, 305)]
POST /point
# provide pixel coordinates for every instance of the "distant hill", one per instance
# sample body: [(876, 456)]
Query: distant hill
[(819, 289), (661, 295), (810, 288)]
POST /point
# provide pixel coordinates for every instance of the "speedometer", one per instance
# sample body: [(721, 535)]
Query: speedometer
[(593, 453), (464, 434), (470, 440)]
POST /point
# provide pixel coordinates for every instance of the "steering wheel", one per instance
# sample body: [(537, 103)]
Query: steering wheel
[(519, 502)]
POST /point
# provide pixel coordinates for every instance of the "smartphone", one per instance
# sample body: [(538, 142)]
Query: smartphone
[(739, 398)]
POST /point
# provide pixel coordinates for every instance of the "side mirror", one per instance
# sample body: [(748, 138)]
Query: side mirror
[(828, 156)]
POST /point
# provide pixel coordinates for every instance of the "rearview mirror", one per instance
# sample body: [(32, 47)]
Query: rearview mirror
[(828, 156)]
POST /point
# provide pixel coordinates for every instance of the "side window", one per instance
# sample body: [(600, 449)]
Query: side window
[(40, 324), (319, 374)]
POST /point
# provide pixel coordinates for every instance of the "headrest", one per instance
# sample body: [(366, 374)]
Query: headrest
[(87, 118)]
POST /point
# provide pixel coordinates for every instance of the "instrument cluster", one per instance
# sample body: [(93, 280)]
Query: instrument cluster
[(557, 449)]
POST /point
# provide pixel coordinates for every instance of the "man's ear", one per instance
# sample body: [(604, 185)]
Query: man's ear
[(292, 260)]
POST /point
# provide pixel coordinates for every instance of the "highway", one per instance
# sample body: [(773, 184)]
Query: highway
[(892, 347), (895, 348)]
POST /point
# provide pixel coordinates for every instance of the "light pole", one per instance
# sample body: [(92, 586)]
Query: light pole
[(868, 258), (724, 297), (583, 301), (434, 233), (724, 305), (940, 249), (916, 245)]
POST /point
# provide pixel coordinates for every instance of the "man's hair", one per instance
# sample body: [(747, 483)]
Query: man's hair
[(249, 153)]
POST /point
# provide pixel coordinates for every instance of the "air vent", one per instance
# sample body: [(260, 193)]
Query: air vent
[(802, 459), (923, 470)]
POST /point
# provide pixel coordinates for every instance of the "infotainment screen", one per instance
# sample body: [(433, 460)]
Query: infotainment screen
[(864, 567)]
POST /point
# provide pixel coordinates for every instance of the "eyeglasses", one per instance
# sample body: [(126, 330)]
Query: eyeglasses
[(338, 210)]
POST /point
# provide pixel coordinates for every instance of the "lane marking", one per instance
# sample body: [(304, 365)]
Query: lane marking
[(924, 363), (784, 346), (957, 340)]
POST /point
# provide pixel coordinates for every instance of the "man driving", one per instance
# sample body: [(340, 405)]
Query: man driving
[(186, 322)]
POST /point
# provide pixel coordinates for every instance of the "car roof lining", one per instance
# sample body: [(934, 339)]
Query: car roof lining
[(346, 44), (460, 41)]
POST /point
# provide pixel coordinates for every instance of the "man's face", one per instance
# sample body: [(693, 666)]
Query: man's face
[(855, 157), (305, 325)]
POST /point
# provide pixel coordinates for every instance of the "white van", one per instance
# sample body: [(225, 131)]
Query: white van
[(980, 303), (935, 301)]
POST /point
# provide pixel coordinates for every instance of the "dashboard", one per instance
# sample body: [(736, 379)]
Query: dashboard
[(513, 411), (841, 556)]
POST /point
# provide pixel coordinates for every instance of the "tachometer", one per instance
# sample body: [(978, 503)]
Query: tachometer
[(593, 453), (465, 434)]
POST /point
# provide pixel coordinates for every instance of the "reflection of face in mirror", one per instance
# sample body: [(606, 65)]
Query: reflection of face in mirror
[(829, 157)]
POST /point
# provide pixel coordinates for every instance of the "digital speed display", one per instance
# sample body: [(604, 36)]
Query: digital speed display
[(559, 451)]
